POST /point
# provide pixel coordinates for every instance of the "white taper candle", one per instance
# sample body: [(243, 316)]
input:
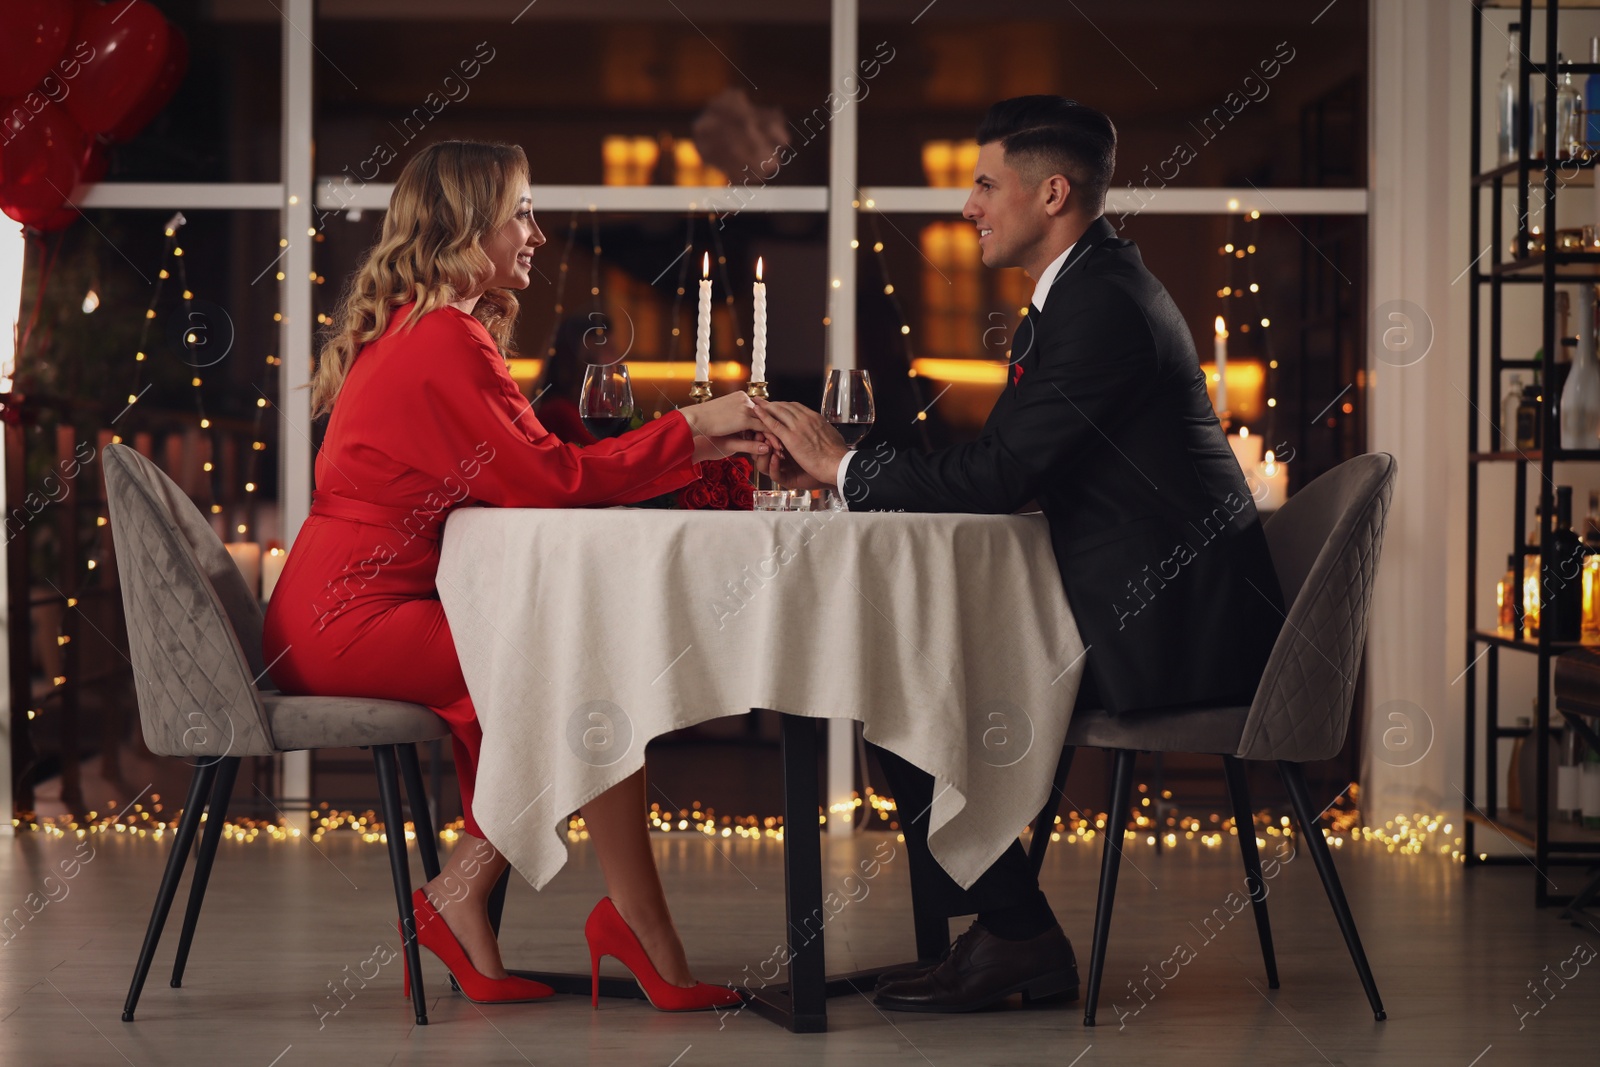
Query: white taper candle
[(702, 337), (758, 347)]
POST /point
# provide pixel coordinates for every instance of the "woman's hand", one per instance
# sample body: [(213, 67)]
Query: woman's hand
[(731, 413), (709, 448)]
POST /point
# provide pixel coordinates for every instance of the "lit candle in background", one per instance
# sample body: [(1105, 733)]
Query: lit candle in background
[(247, 557), (271, 570), (1222, 366), (702, 337), (1246, 449), (1271, 486), (758, 346)]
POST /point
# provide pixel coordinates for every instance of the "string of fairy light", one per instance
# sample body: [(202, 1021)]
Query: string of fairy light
[(194, 340), (903, 324), (1239, 251), (1416, 834)]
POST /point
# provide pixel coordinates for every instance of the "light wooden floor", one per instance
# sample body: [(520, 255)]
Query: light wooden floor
[(1454, 952)]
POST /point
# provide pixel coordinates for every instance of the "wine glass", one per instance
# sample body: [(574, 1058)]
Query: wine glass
[(847, 403), (606, 403)]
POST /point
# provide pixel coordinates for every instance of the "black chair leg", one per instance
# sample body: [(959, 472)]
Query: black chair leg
[(1244, 821), (1308, 821), (395, 828), (1110, 861), (216, 815), (427, 843), (181, 843), (1045, 823)]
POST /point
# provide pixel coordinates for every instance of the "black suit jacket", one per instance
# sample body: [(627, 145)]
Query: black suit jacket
[(1106, 423)]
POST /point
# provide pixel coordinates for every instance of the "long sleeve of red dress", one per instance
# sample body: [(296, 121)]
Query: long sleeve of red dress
[(440, 403), (428, 420)]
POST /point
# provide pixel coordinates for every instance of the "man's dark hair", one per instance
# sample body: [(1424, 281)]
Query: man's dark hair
[(1045, 135)]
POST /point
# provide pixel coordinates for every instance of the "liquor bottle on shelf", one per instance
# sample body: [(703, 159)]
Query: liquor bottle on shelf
[(1508, 414), (1569, 116), (1561, 598), (1569, 777), (1530, 416), (1591, 569), (1530, 576), (1506, 110), (1505, 598), (1580, 394)]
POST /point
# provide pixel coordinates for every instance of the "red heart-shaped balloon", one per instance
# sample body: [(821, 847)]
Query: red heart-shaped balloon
[(33, 34), (94, 168), (40, 164), (129, 39), (161, 91)]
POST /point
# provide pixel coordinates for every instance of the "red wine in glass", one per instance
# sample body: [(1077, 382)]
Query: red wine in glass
[(852, 431), (847, 403), (603, 426), (606, 402)]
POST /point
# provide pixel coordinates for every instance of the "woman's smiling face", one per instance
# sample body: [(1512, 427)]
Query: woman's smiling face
[(511, 247)]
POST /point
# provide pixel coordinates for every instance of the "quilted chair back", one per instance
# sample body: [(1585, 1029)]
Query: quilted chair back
[(194, 629), (1325, 543)]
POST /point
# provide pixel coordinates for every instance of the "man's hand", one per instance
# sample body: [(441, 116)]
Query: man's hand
[(806, 439)]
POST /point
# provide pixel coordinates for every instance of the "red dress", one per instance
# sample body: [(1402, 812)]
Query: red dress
[(429, 420)]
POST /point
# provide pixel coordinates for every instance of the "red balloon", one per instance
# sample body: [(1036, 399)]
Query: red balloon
[(41, 164), (94, 168), (129, 40), (33, 34), (166, 84)]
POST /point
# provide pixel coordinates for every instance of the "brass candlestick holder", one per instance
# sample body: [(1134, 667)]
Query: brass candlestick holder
[(701, 392)]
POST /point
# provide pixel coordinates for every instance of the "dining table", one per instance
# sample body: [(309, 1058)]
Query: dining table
[(584, 633)]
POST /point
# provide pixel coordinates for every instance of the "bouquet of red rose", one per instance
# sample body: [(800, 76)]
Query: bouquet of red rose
[(724, 485)]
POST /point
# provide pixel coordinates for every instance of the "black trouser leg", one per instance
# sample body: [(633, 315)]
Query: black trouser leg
[(181, 843), (395, 829), (1009, 882), (427, 843), (1244, 822), (216, 815), (1308, 820), (1110, 861)]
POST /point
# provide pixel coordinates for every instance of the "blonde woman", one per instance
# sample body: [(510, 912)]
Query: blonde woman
[(426, 418)]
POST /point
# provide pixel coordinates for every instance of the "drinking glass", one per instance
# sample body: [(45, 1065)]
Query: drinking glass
[(606, 402)]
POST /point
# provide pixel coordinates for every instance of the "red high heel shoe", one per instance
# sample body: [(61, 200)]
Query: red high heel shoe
[(435, 936), (608, 934)]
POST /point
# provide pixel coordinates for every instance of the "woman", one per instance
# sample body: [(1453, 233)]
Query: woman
[(426, 418)]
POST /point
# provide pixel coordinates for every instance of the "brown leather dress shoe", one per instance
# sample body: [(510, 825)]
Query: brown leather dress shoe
[(983, 970)]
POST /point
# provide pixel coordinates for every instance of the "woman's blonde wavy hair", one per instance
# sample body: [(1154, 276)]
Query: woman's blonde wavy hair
[(449, 199)]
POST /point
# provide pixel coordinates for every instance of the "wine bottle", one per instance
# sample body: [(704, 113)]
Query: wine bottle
[(1507, 112), (1561, 595), (1580, 395)]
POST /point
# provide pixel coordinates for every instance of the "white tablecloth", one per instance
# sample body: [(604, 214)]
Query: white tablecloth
[(585, 633)]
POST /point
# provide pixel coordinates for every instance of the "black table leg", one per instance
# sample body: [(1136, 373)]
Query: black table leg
[(801, 1006)]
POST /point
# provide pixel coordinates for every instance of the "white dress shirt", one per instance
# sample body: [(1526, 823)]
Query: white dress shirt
[(1040, 292)]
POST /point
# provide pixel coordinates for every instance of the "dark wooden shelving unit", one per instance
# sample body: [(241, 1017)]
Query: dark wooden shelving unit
[(1553, 843)]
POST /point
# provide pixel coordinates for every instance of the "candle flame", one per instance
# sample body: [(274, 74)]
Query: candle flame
[(758, 268), (1222, 327), (1244, 431), (705, 268), (1270, 466)]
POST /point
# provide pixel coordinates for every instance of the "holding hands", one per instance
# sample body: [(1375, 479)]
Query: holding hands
[(725, 425), (808, 447)]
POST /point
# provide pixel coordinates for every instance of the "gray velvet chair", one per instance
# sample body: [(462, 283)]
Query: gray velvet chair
[(194, 638), (1325, 543)]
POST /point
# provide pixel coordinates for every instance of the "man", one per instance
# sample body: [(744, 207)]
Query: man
[(1106, 424)]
